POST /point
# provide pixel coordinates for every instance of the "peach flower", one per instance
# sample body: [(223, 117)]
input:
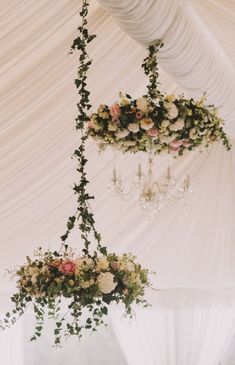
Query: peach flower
[(153, 132), (114, 110)]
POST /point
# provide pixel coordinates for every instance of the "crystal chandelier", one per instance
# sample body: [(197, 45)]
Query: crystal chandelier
[(152, 192)]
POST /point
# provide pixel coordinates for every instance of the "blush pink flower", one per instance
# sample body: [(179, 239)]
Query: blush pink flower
[(175, 143), (114, 110), (139, 115), (115, 120), (174, 149), (67, 267), (115, 265), (153, 132)]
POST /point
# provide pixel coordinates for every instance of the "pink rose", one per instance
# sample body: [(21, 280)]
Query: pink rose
[(153, 132), (174, 149), (67, 267), (175, 143), (139, 115), (114, 110), (115, 265)]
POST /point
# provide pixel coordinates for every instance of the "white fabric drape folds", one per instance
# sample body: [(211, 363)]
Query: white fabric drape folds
[(189, 246), (181, 335), (192, 55)]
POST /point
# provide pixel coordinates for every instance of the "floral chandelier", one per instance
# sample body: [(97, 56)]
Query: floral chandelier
[(90, 282), (158, 124)]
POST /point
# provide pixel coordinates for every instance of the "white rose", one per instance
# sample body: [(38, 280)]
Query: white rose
[(172, 111), (130, 266), (102, 264), (134, 127), (122, 134), (106, 282), (143, 104), (178, 125)]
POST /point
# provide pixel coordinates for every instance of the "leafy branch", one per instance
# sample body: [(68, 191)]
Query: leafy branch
[(150, 67)]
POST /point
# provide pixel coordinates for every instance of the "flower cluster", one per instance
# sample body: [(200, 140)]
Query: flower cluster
[(90, 282), (167, 125)]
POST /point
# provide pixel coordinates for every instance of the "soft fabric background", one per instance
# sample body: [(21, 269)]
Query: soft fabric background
[(190, 246)]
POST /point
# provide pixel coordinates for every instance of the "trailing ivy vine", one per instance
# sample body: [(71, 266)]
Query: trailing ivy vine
[(84, 214)]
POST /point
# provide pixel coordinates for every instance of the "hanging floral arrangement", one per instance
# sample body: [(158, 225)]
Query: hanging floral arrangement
[(91, 281), (166, 123)]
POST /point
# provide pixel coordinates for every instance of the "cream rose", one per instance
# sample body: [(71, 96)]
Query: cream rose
[(122, 134), (146, 124), (124, 101), (165, 123), (143, 104), (134, 127), (102, 264), (106, 282), (129, 266), (33, 271), (178, 125), (192, 133), (172, 111)]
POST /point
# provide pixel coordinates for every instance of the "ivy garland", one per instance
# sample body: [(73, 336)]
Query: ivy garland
[(88, 283)]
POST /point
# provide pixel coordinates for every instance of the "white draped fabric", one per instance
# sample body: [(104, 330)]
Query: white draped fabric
[(195, 330), (190, 246)]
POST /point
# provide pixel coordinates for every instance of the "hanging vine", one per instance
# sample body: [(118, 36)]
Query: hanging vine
[(95, 279), (83, 214)]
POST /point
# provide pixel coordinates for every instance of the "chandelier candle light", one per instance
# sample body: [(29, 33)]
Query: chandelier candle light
[(88, 282), (152, 190), (158, 124)]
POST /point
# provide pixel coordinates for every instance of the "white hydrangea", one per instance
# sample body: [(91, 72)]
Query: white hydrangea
[(106, 282)]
